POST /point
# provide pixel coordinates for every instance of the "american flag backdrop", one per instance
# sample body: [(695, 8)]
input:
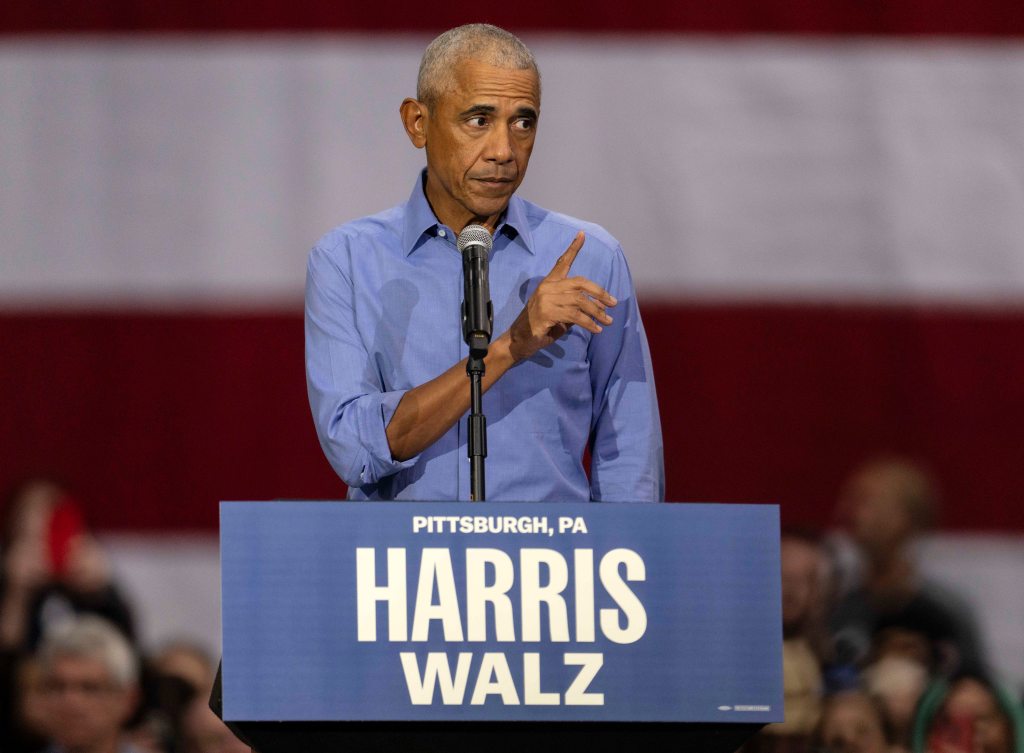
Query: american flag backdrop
[(822, 205)]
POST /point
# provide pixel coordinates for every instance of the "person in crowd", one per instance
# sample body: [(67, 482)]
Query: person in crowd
[(53, 567), (898, 682), (804, 598), (568, 368), (156, 726), (852, 722), (885, 506), (90, 680), (178, 674), (968, 714)]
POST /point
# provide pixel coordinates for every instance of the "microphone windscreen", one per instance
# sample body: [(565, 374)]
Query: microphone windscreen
[(474, 235)]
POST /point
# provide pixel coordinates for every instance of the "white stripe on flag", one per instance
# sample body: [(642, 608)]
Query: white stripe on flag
[(176, 170)]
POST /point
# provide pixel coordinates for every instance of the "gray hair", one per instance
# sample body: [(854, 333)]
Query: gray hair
[(91, 637), (485, 42)]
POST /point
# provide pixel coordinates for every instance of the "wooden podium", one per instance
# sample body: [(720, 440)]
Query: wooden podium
[(499, 626)]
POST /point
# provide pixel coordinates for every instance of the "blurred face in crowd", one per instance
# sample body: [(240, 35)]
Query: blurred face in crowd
[(903, 643), (899, 683), (851, 724), (85, 707), (479, 136), (971, 722), (877, 518), (187, 664), (801, 574)]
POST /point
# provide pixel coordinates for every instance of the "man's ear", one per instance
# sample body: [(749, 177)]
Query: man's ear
[(414, 118)]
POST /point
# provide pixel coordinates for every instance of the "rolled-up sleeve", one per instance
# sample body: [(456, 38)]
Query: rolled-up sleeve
[(350, 404), (627, 463)]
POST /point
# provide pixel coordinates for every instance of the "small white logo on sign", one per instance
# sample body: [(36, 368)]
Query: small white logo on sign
[(747, 707)]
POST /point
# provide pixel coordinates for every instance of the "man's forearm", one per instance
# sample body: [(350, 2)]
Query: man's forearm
[(426, 412)]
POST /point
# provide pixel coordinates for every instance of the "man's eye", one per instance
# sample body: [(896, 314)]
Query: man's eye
[(523, 124), (479, 121)]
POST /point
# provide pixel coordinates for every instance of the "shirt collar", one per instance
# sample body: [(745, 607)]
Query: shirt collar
[(515, 218), (419, 218)]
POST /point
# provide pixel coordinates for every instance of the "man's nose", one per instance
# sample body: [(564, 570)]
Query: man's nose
[(499, 146)]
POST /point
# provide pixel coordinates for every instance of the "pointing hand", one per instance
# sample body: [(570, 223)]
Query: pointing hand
[(558, 303)]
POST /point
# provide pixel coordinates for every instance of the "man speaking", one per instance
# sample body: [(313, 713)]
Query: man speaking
[(385, 354)]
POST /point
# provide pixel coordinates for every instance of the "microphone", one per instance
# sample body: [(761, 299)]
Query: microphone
[(475, 242)]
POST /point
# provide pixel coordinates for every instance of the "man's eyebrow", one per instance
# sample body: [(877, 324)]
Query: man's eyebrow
[(522, 112), (478, 110)]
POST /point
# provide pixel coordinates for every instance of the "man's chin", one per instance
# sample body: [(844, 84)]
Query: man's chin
[(490, 206)]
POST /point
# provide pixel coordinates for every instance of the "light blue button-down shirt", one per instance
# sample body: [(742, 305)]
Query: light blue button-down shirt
[(383, 298)]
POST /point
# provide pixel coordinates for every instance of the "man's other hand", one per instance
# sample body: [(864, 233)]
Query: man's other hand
[(558, 303)]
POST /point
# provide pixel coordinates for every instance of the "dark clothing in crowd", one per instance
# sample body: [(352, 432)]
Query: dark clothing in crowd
[(944, 623), (14, 738)]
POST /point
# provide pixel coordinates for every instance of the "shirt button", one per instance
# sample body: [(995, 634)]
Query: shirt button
[(442, 233)]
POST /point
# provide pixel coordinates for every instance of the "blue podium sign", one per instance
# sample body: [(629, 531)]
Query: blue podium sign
[(416, 611)]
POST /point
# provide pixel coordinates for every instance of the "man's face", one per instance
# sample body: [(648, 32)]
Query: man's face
[(85, 707), (478, 137)]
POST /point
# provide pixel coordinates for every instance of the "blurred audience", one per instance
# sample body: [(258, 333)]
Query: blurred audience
[(865, 636), (805, 641), (71, 678), (891, 610), (875, 659), (968, 714), (897, 683), (852, 722), (53, 567), (187, 661), (90, 680), (156, 726), (174, 678), (24, 729)]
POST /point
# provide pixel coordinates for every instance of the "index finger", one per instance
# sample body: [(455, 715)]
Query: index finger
[(561, 269)]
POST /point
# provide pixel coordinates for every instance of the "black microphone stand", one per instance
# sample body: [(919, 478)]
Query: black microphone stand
[(477, 444), (477, 323)]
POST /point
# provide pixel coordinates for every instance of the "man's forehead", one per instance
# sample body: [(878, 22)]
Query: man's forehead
[(479, 81)]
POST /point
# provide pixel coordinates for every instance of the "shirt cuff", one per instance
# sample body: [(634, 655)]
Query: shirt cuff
[(374, 416)]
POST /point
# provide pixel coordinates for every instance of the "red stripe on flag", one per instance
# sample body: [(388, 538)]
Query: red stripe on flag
[(156, 417), (946, 17)]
